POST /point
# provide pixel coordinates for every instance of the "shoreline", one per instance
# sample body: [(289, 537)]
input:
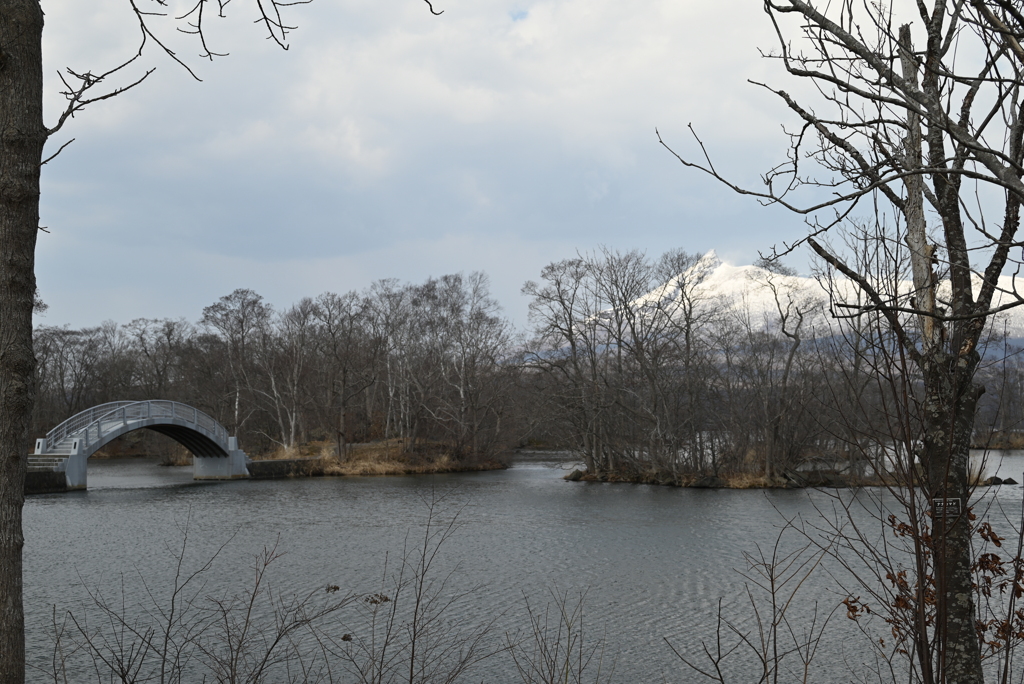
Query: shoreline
[(371, 459), (282, 468), (807, 480)]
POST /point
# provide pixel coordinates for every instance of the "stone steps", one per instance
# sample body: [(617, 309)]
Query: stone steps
[(60, 450), (47, 462)]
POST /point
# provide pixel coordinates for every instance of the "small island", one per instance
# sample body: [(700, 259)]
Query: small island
[(385, 457)]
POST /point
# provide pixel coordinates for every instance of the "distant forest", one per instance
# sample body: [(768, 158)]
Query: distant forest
[(635, 364)]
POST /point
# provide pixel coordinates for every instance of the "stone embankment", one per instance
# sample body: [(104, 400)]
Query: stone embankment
[(45, 482)]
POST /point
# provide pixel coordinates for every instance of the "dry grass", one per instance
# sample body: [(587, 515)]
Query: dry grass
[(1001, 439), (390, 457), (750, 481), (386, 457), (391, 467), (978, 474), (731, 480), (308, 450)]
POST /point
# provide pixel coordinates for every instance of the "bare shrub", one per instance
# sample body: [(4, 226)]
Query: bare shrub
[(555, 649)]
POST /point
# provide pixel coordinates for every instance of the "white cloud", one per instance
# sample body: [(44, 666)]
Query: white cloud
[(391, 143)]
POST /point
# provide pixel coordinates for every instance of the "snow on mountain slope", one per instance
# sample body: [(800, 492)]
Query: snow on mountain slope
[(757, 294)]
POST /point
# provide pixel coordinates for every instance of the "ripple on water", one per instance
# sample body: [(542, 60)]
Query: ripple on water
[(654, 561)]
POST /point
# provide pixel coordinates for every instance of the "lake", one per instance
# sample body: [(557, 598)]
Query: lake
[(654, 561)]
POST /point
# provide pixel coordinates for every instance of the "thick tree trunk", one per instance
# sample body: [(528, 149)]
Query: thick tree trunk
[(950, 406), (22, 136)]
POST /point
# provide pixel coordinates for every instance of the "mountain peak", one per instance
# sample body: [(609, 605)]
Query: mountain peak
[(709, 260)]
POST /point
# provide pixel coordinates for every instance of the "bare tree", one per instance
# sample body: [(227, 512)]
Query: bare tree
[(688, 311), (71, 361), (565, 315), (158, 343), (237, 318), (468, 347), (283, 348), (343, 341), (900, 127), (622, 341)]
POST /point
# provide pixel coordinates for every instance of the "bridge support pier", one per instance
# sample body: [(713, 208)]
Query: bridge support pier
[(220, 468), (76, 467)]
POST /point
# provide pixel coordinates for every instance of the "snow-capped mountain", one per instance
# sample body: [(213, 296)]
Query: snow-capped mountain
[(759, 294)]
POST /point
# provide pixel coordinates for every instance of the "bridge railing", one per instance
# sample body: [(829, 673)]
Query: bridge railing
[(100, 420), (80, 420)]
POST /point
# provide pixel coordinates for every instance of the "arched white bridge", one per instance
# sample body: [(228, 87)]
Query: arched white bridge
[(67, 447)]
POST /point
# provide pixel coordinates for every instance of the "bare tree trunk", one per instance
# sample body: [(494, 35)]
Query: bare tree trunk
[(342, 427), (949, 422), (22, 135), (920, 250)]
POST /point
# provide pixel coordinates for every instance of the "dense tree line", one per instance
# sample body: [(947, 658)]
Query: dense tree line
[(650, 370), (641, 366), (427, 363)]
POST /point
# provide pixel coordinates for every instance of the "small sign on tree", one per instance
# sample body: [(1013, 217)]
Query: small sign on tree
[(948, 508)]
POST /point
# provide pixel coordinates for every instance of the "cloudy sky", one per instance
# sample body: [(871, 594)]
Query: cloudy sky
[(390, 143)]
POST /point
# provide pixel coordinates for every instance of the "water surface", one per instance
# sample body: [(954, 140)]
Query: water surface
[(654, 561)]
